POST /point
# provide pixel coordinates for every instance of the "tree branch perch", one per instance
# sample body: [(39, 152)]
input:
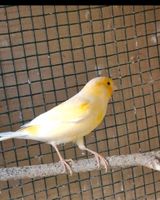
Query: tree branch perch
[(149, 159)]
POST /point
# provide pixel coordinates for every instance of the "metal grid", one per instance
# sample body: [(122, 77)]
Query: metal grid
[(47, 54)]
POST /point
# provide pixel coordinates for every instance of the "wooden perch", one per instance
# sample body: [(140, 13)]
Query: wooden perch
[(149, 159)]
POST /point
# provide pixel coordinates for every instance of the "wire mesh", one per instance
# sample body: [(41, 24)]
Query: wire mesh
[(47, 54)]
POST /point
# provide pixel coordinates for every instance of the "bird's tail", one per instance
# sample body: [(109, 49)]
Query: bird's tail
[(8, 135)]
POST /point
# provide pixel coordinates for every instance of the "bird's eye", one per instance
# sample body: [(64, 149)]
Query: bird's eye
[(108, 83)]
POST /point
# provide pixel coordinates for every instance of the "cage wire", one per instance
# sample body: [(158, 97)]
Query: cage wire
[(47, 54)]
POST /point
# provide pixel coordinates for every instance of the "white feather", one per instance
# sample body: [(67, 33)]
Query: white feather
[(8, 135)]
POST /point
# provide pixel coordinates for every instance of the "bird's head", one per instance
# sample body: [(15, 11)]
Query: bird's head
[(100, 86)]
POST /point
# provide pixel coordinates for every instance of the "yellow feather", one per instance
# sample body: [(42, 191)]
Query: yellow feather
[(84, 106), (75, 117), (99, 117), (70, 112), (32, 129)]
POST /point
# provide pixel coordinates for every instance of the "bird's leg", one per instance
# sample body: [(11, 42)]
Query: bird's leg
[(99, 158), (64, 163)]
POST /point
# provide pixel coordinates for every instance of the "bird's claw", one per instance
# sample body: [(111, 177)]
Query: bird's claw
[(70, 161), (66, 166), (102, 160)]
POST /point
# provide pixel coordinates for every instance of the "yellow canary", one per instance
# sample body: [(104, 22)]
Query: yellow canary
[(71, 120)]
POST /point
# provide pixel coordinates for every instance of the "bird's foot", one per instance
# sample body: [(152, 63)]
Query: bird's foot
[(66, 166), (102, 160), (70, 161)]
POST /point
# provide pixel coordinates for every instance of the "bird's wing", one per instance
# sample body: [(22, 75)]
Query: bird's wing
[(72, 111), (75, 110)]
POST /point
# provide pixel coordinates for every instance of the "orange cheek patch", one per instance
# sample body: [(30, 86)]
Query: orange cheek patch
[(110, 91)]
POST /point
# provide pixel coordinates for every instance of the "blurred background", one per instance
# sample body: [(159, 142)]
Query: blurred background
[(47, 54)]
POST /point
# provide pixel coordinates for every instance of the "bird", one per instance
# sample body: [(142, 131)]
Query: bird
[(71, 120)]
